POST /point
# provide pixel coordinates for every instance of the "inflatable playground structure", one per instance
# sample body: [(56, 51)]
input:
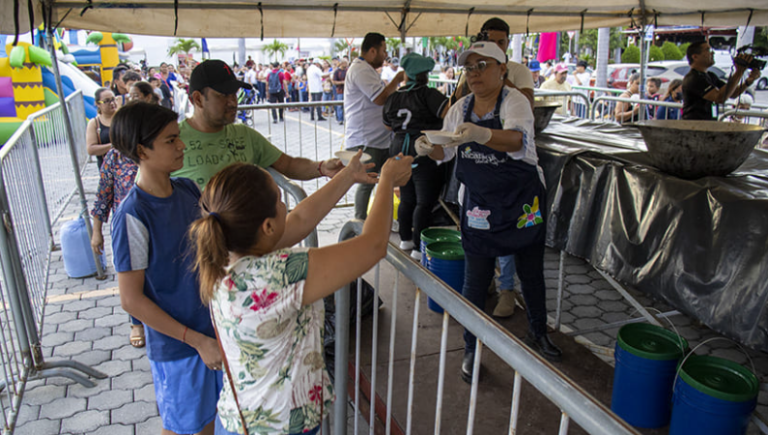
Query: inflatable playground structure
[(28, 84)]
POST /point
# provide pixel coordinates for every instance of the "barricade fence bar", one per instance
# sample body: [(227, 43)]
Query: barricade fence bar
[(37, 180), (604, 108), (573, 401), (22, 177), (14, 349), (55, 167), (748, 116), (569, 107), (300, 136)]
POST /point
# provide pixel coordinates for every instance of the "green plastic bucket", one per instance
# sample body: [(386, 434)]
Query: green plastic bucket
[(432, 235), (446, 260), (713, 396), (646, 364)]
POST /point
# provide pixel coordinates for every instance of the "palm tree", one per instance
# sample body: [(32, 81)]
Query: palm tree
[(274, 47), (341, 48), (393, 45), (183, 46)]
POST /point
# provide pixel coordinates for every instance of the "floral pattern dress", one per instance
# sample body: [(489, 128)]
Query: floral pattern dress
[(273, 345), (117, 176)]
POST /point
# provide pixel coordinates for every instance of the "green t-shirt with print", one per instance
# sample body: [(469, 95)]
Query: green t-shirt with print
[(208, 153)]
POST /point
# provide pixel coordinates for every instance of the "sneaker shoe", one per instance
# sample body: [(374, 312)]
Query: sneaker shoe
[(416, 255), (544, 346), (505, 307), (320, 119), (406, 245)]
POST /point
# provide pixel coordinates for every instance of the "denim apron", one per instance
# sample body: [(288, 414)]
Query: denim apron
[(504, 198)]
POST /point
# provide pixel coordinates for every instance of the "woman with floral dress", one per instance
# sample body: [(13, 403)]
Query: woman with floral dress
[(117, 175), (266, 297)]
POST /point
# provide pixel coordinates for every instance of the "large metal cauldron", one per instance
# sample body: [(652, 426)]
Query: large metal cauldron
[(695, 149), (542, 114)]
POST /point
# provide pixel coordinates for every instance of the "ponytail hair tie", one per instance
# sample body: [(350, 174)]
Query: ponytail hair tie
[(215, 216)]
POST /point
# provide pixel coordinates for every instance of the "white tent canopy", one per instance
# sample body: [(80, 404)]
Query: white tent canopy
[(324, 18)]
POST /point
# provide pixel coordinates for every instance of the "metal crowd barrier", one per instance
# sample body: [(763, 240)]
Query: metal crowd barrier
[(34, 189), (573, 401), (603, 107), (299, 136), (749, 115), (570, 108), (50, 138)]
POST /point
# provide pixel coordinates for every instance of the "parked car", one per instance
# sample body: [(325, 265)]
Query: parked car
[(677, 69)]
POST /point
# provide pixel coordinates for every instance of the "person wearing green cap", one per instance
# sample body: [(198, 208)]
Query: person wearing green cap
[(407, 112)]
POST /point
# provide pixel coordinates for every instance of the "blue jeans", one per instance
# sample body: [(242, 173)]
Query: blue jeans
[(478, 273), (219, 430), (340, 108), (304, 98), (507, 273)]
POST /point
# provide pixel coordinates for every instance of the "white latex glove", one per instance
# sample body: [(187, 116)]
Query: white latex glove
[(423, 146), (469, 132)]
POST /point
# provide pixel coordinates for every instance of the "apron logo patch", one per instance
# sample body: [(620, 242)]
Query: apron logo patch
[(478, 219), (481, 158), (531, 215)]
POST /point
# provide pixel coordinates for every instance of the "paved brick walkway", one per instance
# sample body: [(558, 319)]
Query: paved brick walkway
[(84, 322)]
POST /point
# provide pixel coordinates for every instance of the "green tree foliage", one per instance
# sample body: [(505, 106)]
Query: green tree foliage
[(342, 49), (671, 52), (655, 54), (183, 46), (684, 49), (393, 46), (275, 47), (631, 54)]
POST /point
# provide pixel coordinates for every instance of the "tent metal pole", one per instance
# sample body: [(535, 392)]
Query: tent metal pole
[(641, 113), (643, 55), (100, 275)]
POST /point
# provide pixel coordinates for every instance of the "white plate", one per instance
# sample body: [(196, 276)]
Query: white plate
[(438, 137), (346, 156)]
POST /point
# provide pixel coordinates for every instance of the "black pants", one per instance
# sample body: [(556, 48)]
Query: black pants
[(479, 271), (316, 96), (418, 198), (277, 97)]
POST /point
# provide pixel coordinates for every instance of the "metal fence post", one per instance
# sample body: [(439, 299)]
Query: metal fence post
[(40, 186), (72, 150)]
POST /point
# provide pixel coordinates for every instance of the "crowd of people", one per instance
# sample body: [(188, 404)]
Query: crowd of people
[(203, 245)]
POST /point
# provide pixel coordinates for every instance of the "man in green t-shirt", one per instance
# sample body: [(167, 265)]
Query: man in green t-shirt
[(214, 140)]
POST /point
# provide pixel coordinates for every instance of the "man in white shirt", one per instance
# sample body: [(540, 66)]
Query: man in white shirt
[(364, 96), (315, 77), (580, 77), (519, 76), (388, 71)]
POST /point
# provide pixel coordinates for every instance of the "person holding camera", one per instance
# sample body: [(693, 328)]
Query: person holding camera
[(703, 90)]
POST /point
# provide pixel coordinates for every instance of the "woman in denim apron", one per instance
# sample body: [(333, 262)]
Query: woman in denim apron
[(504, 196)]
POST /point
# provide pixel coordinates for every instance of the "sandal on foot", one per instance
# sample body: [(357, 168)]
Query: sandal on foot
[(137, 336)]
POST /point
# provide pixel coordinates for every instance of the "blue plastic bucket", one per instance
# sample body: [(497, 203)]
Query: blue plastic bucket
[(646, 364), (76, 250), (446, 260), (713, 396), (436, 234)]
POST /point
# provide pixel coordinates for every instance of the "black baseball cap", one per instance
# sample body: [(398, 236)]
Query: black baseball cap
[(216, 75)]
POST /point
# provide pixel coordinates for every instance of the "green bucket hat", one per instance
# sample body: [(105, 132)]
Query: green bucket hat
[(415, 64)]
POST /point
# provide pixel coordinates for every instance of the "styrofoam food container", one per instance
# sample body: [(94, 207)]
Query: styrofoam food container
[(346, 155)]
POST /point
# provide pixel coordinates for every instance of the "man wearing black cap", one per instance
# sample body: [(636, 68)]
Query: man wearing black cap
[(214, 140)]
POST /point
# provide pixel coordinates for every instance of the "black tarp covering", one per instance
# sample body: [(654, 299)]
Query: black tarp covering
[(698, 245)]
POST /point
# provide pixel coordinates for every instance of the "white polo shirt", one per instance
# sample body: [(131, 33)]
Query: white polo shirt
[(364, 120), (314, 79)]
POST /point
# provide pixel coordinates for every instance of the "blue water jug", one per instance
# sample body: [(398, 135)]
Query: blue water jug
[(76, 250)]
